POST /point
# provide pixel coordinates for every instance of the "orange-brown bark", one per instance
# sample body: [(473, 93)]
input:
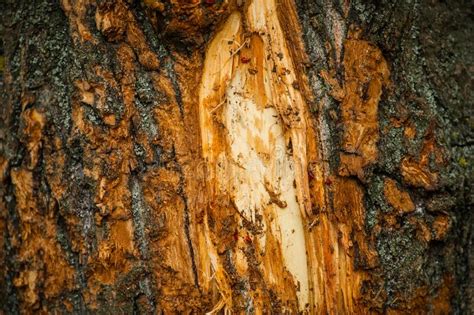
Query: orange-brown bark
[(214, 190)]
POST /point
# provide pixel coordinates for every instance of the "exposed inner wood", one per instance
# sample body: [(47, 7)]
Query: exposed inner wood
[(254, 141)]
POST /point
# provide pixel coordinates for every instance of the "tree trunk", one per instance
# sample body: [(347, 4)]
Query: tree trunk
[(258, 156)]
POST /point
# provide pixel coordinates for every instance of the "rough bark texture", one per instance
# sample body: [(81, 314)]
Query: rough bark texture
[(261, 156)]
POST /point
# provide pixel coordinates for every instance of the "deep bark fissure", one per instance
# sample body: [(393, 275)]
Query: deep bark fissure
[(188, 233)]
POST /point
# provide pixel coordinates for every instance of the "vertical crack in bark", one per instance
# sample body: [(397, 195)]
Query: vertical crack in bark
[(188, 233), (171, 73)]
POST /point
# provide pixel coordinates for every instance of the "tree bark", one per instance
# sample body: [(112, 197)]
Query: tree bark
[(260, 156)]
